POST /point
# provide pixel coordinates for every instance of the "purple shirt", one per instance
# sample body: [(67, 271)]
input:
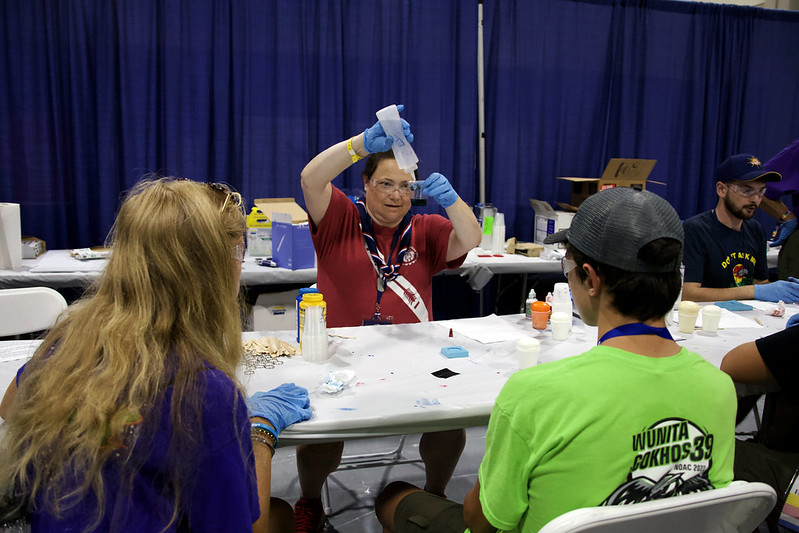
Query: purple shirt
[(221, 495)]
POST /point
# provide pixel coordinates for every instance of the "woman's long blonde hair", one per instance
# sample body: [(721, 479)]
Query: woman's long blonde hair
[(164, 307)]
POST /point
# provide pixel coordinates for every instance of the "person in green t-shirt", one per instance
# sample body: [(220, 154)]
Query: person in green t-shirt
[(636, 418)]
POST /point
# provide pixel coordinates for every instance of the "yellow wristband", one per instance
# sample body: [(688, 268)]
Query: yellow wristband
[(355, 157)]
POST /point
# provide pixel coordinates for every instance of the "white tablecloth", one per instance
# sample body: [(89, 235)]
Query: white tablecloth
[(395, 392)]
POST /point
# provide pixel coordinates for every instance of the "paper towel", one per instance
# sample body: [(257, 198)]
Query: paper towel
[(10, 236)]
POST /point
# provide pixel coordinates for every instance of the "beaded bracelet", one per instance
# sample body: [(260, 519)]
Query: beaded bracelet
[(267, 429), (265, 442), (353, 155), (785, 215)]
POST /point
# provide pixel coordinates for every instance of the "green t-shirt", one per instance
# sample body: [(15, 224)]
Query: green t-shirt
[(605, 427)]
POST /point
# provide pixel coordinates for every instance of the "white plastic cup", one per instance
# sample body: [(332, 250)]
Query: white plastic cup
[(527, 351), (711, 314), (560, 323), (687, 312), (403, 152)]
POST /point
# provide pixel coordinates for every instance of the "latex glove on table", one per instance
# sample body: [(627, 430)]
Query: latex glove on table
[(282, 406)]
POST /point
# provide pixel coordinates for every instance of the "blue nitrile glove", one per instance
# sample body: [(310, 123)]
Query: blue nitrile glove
[(440, 188), (783, 231), (375, 138), (282, 406), (787, 291), (792, 321)]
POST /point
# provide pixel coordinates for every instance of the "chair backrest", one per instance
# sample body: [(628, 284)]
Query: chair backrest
[(739, 507), (29, 309)]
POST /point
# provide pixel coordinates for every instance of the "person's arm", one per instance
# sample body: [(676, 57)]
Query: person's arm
[(473, 512), (695, 292), (263, 477), (776, 209), (321, 170), (745, 365), (466, 232)]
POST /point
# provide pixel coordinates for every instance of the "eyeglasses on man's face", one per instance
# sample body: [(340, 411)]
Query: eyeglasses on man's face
[(746, 191), (387, 187), (567, 265)]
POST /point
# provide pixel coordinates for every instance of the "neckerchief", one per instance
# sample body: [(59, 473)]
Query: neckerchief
[(387, 270), (635, 328)]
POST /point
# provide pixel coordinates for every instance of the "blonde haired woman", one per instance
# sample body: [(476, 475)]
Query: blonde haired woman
[(129, 416)]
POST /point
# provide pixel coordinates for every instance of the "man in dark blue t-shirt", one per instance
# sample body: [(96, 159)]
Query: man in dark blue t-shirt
[(725, 250)]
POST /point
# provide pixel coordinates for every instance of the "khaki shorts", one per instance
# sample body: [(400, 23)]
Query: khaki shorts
[(422, 511)]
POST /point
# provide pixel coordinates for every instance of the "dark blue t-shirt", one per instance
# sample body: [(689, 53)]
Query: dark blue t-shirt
[(719, 257), (222, 494)]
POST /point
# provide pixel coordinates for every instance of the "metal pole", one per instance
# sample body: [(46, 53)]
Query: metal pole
[(481, 140)]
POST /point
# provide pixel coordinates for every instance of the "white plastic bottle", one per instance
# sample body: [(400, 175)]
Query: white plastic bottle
[(562, 300), (530, 299), (403, 152)]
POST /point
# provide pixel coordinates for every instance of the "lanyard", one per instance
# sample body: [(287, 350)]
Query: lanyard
[(387, 270), (635, 328)]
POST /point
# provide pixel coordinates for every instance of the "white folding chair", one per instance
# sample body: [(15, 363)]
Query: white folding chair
[(29, 309), (739, 507)]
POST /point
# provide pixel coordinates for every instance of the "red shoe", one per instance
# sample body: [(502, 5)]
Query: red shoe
[(309, 515)]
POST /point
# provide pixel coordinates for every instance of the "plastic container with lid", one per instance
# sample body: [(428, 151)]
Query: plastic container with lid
[(259, 234), (314, 334), (303, 291), (311, 299), (540, 314)]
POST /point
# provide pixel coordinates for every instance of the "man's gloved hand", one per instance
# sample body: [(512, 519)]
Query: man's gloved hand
[(787, 291), (375, 138), (783, 231), (792, 321), (440, 188), (282, 406)]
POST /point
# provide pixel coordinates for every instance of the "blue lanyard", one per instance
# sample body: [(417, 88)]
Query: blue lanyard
[(635, 328)]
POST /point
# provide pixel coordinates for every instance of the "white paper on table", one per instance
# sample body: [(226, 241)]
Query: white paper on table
[(484, 329), (728, 320), (15, 350), (768, 307), (61, 261)]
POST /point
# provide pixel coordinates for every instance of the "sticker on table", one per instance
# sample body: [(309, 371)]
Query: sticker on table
[(444, 373)]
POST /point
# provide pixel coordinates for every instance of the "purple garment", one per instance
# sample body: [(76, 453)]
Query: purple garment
[(222, 494), (786, 163)]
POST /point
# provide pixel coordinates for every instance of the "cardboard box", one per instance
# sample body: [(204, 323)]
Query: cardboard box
[(527, 249), (292, 247), (282, 205), (547, 220), (619, 172), (32, 247)]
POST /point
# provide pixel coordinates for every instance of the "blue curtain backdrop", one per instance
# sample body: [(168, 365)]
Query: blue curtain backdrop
[(96, 94), (572, 83)]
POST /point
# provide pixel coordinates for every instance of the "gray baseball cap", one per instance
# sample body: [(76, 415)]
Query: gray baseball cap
[(613, 225)]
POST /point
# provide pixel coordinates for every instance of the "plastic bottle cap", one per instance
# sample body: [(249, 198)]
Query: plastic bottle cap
[(539, 306), (532, 293), (312, 297)]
